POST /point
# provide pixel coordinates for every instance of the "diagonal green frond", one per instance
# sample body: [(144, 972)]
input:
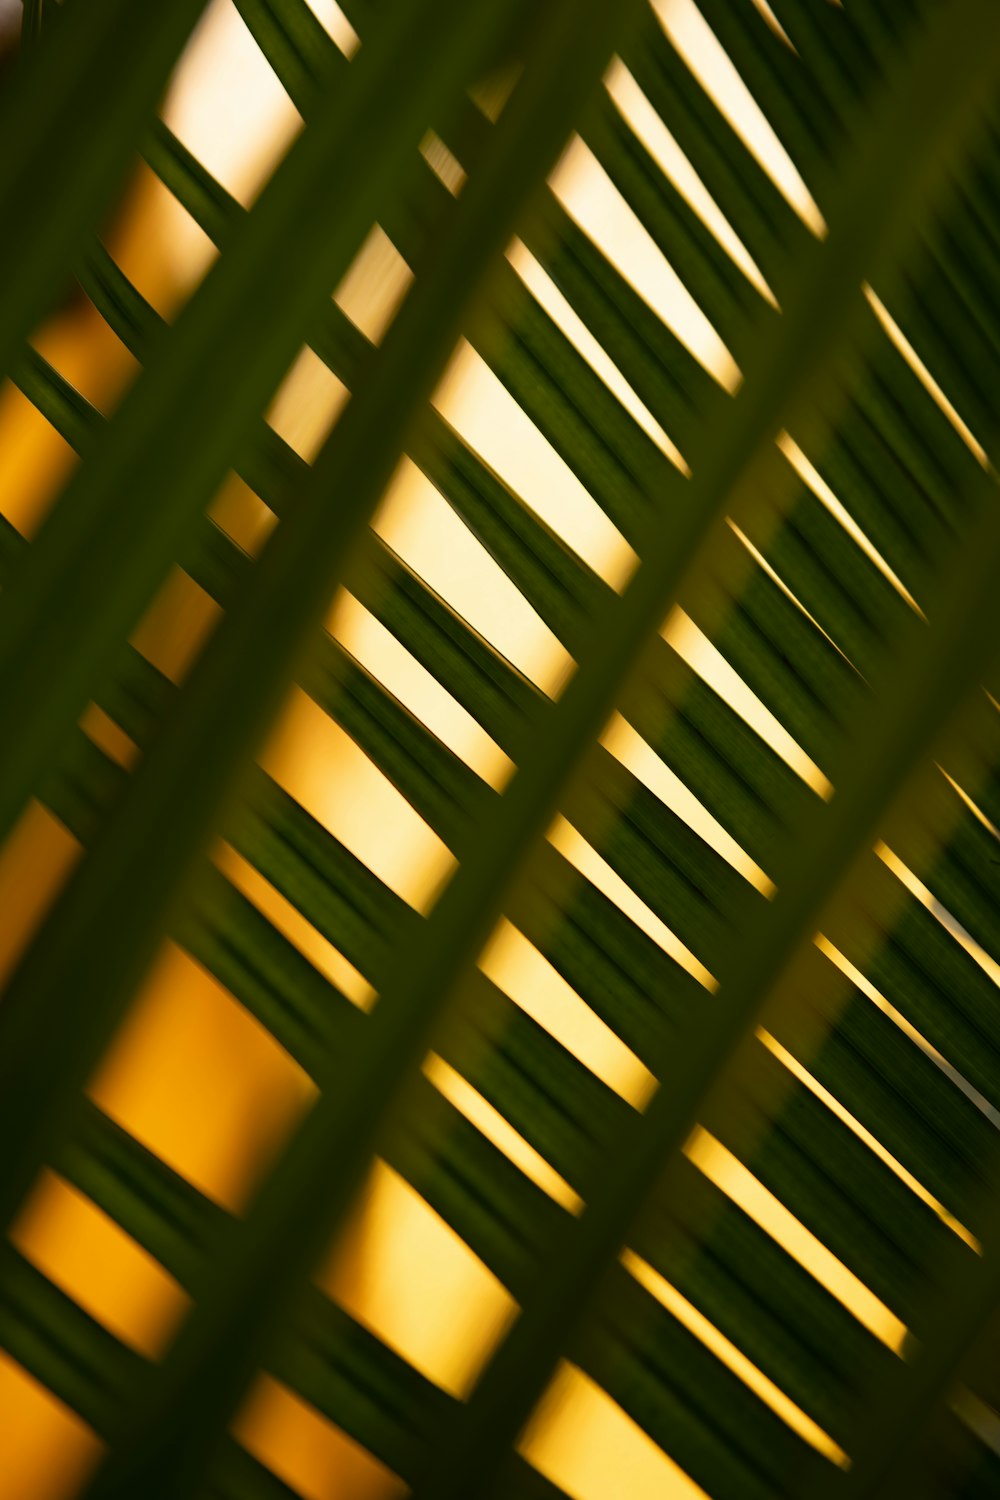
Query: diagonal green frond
[(228, 349), (852, 1083), (67, 125)]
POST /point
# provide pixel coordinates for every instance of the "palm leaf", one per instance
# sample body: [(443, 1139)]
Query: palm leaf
[(74, 114), (881, 109)]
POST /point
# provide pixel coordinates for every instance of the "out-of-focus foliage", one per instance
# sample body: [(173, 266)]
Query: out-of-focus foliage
[(748, 828)]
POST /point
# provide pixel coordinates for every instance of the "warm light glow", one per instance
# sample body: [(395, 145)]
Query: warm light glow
[(780, 583), (637, 111), (583, 1441), (35, 462), (642, 760), (290, 922), (729, 1174), (899, 340), (976, 812), (36, 860), (560, 310), (728, 1354), (176, 625), (227, 106), (377, 650), (481, 1113), (421, 527), (336, 25), (700, 49), (774, 23), (48, 1451), (585, 858), (977, 1416), (940, 913), (109, 737), (516, 967), (694, 647), (242, 515), (866, 988), (446, 167), (307, 404), (811, 477), (299, 1445), (323, 769), (83, 1251), (193, 1076), (874, 1145), (399, 1269), (593, 202), (374, 285), (482, 411)]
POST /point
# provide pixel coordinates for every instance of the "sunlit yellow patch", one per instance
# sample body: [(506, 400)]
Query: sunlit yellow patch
[(971, 806), (583, 1441), (844, 1115), (780, 583), (479, 407), (290, 922), (83, 1251), (176, 625), (729, 1174), (323, 769), (642, 760), (637, 111), (48, 1451), (593, 201), (109, 736), (866, 988), (36, 860), (726, 1351), (951, 924), (336, 25), (773, 22), (227, 105), (694, 647), (307, 1452), (307, 404), (399, 1269), (516, 967), (585, 858), (446, 167), (163, 251), (374, 285), (34, 462), (560, 310), (811, 477), (481, 1113), (242, 515), (899, 340), (389, 662), (700, 49), (421, 527), (195, 1078)]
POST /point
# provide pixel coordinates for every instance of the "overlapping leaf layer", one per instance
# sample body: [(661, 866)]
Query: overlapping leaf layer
[(778, 1262)]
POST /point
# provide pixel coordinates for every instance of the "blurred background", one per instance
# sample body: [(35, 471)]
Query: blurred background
[(191, 1074)]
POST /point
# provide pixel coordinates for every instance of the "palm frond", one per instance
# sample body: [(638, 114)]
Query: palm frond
[(802, 744)]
